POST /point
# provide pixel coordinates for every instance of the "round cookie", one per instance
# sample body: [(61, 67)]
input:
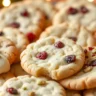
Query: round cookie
[(48, 9), (78, 12), (86, 78), (31, 86), (90, 92), (4, 77), (17, 37), (73, 93), (17, 70), (53, 57), (77, 33), (24, 17), (8, 54)]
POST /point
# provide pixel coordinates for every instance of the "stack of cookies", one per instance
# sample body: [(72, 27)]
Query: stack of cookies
[(48, 48)]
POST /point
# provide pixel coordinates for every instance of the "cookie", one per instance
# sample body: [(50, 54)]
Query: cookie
[(86, 78), (17, 70), (24, 17), (80, 13), (73, 93), (4, 77), (53, 57), (17, 37), (77, 33), (48, 9), (90, 92), (8, 54), (31, 86)]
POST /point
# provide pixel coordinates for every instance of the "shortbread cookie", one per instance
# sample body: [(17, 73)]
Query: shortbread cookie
[(31, 86), (53, 57), (85, 14), (24, 17), (17, 70), (4, 77), (86, 78), (48, 9), (90, 92), (8, 54), (17, 37), (73, 93), (77, 33)]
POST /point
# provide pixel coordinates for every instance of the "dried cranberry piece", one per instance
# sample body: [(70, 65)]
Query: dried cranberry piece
[(92, 63), (31, 37), (14, 25), (85, 51), (84, 10), (25, 14), (72, 11), (73, 38), (1, 33), (70, 58), (12, 91), (42, 55), (59, 44), (90, 48)]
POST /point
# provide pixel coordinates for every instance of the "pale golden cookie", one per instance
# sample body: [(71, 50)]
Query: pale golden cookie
[(18, 38), (31, 86), (86, 78), (77, 33), (53, 57), (29, 20), (17, 70), (83, 13)]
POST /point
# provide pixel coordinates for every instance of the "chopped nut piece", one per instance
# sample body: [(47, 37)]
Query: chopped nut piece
[(32, 94), (87, 69), (42, 83)]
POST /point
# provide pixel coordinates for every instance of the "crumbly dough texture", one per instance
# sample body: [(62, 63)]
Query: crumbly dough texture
[(8, 54), (86, 78), (90, 92), (17, 37), (17, 70), (4, 77), (32, 86), (82, 35), (54, 65), (86, 19), (33, 22)]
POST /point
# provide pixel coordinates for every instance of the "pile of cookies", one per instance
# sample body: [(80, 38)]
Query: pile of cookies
[(48, 48)]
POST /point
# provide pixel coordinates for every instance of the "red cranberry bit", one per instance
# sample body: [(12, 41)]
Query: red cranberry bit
[(85, 51), (25, 14), (73, 38), (31, 37), (92, 63), (90, 48), (59, 44), (14, 25), (70, 58), (72, 11), (12, 91), (42, 55), (1, 33), (84, 10)]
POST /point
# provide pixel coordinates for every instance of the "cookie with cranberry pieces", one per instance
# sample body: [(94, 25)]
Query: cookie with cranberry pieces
[(8, 54), (86, 78), (83, 13), (17, 70), (31, 86), (24, 17), (77, 33), (17, 37), (53, 57)]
